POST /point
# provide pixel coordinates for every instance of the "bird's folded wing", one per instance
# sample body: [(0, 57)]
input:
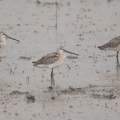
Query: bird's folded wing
[(48, 59)]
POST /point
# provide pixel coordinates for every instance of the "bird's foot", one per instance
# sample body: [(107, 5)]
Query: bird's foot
[(55, 92), (54, 88), (50, 87)]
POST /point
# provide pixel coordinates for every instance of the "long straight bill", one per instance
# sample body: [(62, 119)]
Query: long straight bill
[(71, 52), (12, 38)]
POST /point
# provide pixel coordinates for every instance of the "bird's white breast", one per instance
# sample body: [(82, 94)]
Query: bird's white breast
[(59, 62)]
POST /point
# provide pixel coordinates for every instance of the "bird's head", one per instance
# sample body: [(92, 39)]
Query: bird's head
[(3, 35), (62, 50)]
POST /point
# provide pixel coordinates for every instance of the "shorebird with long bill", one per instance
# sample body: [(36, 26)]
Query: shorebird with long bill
[(52, 60), (3, 42), (113, 44)]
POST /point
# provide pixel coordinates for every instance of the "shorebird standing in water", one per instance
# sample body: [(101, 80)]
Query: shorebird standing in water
[(3, 42), (52, 61), (114, 45)]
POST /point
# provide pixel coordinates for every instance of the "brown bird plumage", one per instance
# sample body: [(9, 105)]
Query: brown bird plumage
[(52, 61), (48, 59), (113, 44)]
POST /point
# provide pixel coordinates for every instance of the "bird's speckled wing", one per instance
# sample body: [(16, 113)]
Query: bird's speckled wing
[(111, 44), (48, 59)]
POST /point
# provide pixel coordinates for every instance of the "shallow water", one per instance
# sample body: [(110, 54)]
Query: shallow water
[(82, 25)]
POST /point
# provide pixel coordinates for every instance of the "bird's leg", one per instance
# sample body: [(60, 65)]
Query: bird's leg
[(118, 65), (52, 79)]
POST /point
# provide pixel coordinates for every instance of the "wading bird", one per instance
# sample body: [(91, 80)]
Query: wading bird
[(3, 42), (113, 44), (52, 61)]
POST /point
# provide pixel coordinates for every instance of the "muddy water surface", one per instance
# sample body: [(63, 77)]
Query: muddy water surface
[(89, 89)]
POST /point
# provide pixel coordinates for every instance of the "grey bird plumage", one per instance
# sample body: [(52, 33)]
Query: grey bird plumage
[(52, 60), (114, 45)]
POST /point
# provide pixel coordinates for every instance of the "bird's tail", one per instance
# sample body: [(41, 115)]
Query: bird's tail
[(33, 63)]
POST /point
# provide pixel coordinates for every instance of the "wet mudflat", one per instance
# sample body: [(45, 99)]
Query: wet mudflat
[(88, 89)]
